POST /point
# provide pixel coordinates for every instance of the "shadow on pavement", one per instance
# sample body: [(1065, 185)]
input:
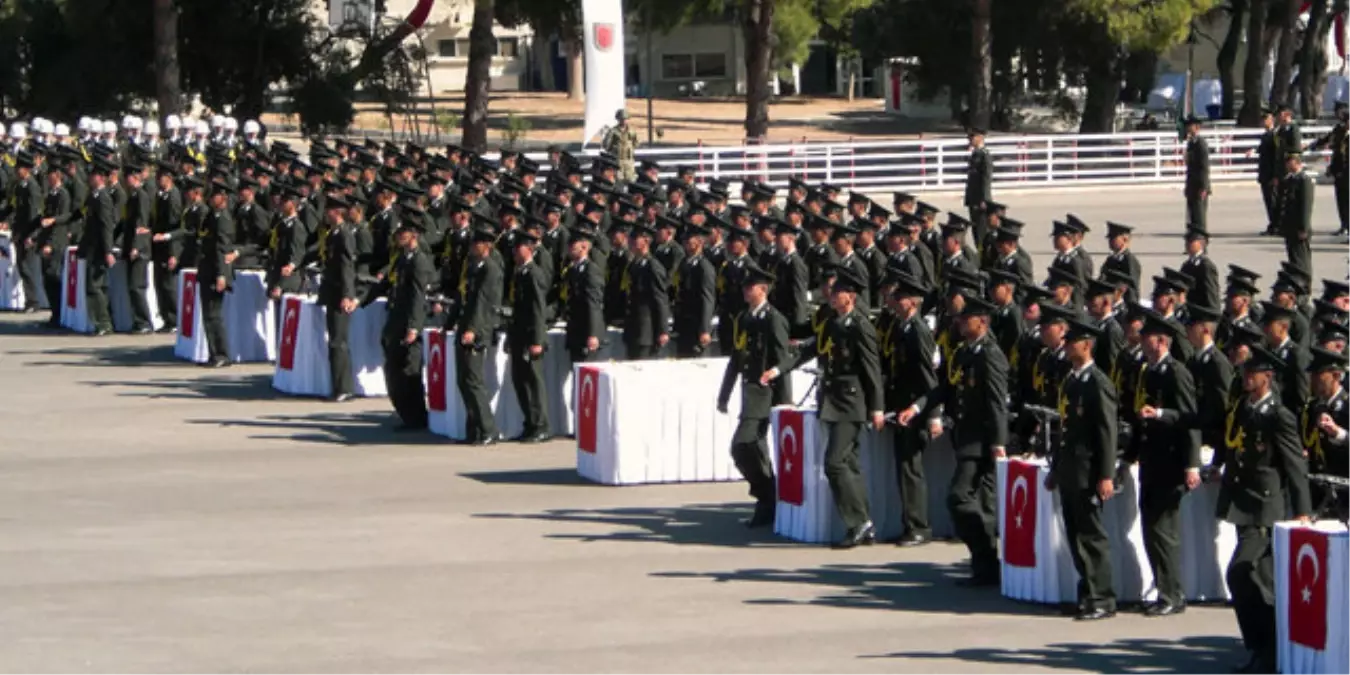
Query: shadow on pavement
[(1195, 654), (695, 524), (103, 355), (562, 476), (905, 586), (249, 387), (351, 429)]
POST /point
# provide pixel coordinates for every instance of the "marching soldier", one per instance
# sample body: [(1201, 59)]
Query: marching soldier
[(974, 395), (1083, 470), (286, 245), (842, 242), (1168, 454), (1110, 339), (1268, 167), (818, 255), (166, 245), (695, 293), (647, 320), (96, 247), (1009, 256), (52, 238), (1212, 373), (1198, 266), (615, 263), (475, 329), (1070, 258), (850, 394), (913, 373), (791, 293), (582, 292), (337, 290), (1291, 376), (1263, 460), (1322, 425), (1197, 176), (1006, 320), (979, 182), (730, 294), (20, 216), (1051, 369), (759, 353), (1122, 258), (215, 273), (406, 287), (1297, 190), (527, 338)]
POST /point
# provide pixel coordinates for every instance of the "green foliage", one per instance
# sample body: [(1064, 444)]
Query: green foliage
[(517, 128), (447, 120), (323, 101), (794, 26), (1144, 25)]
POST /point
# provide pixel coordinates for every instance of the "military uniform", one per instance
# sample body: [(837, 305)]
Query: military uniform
[(23, 212), (978, 193), (1206, 291), (582, 292), (648, 315), (791, 295), (215, 240), (913, 373), (406, 287), (98, 242), (55, 237), (529, 328), (731, 275), (1269, 168), (337, 259), (695, 288), (1127, 264), (1327, 453), (1197, 183), (1295, 218), (286, 246), (168, 222), (1338, 167), (479, 312)]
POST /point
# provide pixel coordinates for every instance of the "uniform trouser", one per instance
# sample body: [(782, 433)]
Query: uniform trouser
[(843, 469), (1089, 547), (909, 446), (136, 286), (642, 352), (979, 223), (96, 294), (1299, 252), (689, 348), (53, 283), (1160, 512), (166, 292), (1251, 580), (1343, 201), (1197, 212), (1268, 197), (27, 262), (479, 422), (726, 335), (339, 325), (403, 379), (213, 321), (527, 376), (971, 503), (750, 452)]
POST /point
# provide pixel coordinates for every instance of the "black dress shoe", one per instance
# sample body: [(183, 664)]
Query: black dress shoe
[(342, 398), (911, 539), (1162, 608), (541, 437), (763, 516), (486, 441), (862, 535), (1094, 614)]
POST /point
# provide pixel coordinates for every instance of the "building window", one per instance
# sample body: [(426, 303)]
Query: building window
[(446, 49), (508, 48), (690, 66)]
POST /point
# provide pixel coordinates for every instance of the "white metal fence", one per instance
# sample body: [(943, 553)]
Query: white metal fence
[(1020, 162)]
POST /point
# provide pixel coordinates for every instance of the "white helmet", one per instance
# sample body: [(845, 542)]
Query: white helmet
[(17, 130), (83, 124), (203, 128), (151, 128), (132, 123), (217, 121), (36, 123), (172, 123), (231, 124), (252, 127), (62, 130), (42, 125), (109, 127)]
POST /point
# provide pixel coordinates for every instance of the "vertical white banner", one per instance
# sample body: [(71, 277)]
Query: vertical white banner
[(603, 23)]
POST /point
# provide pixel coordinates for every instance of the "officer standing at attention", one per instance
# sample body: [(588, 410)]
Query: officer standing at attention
[(1339, 166), (286, 244), (527, 336), (1168, 452), (337, 292), (914, 373), (1323, 425), (1122, 259), (849, 395), (646, 323), (166, 245), (695, 290), (1268, 167), (1197, 177), (974, 396), (1264, 459), (215, 274), (1084, 468), (759, 352), (97, 245), (979, 184), (406, 288), (475, 327), (1297, 190), (581, 292), (19, 214), (51, 240)]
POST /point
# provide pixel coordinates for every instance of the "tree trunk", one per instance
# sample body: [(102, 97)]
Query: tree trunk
[(1257, 49), (852, 81), (1103, 90), (168, 87), (1284, 59), (576, 69), (981, 65), (757, 23), (1227, 59), (478, 81), (1312, 71)]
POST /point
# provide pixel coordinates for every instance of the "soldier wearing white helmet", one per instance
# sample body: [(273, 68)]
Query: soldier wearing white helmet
[(252, 133), (17, 135), (228, 136), (131, 132), (107, 136), (62, 135), (217, 128), (151, 141)]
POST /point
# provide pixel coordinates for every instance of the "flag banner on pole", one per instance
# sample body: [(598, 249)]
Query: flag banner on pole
[(603, 22)]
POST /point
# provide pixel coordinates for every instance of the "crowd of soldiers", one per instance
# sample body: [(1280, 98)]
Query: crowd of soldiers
[(934, 327)]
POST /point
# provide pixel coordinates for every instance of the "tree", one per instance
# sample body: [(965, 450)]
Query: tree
[(837, 22), (552, 17), (1287, 25), (1258, 50), (168, 83), (1312, 58), (981, 64), (1236, 10), (478, 83)]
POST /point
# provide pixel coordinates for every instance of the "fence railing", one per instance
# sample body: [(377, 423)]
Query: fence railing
[(1046, 161)]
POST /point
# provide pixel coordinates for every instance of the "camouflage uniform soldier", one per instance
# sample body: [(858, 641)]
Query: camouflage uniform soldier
[(620, 141)]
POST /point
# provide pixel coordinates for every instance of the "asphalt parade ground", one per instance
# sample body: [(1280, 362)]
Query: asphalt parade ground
[(156, 517)]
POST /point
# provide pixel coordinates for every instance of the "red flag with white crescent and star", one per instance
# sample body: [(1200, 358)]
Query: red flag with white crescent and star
[(436, 371), (290, 333), (1019, 515), (588, 407), (72, 278), (187, 314), (791, 469), (1308, 587)]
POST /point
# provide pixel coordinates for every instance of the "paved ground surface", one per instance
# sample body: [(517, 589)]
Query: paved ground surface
[(156, 517)]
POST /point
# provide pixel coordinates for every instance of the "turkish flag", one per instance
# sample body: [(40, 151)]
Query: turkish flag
[(604, 36), (1019, 515), (588, 407), (72, 278), (436, 371), (1308, 587), (290, 332), (187, 314), (791, 469)]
